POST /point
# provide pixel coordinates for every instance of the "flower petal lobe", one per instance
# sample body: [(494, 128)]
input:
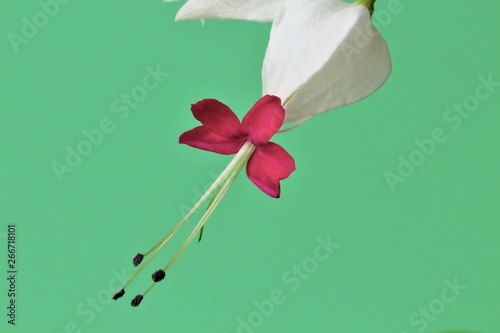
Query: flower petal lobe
[(216, 117), (269, 164), (202, 138), (263, 120)]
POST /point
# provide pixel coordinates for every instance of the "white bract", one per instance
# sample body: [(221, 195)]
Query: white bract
[(322, 54), (252, 10)]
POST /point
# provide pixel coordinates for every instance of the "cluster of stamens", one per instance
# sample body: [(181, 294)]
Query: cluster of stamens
[(216, 191)]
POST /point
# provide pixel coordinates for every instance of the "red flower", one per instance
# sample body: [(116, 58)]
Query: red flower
[(223, 133)]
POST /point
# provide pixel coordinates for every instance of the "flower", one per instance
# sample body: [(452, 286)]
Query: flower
[(322, 54), (266, 164), (223, 133)]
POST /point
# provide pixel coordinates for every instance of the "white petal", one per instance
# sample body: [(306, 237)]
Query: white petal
[(252, 10), (324, 54)]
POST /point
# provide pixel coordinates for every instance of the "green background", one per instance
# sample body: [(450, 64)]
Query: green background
[(397, 248)]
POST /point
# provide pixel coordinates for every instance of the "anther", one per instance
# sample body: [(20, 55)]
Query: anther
[(119, 294), (138, 259), (137, 300), (158, 275)]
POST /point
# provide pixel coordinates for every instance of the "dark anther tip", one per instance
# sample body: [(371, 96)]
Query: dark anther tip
[(138, 259), (119, 294), (158, 275), (137, 300)]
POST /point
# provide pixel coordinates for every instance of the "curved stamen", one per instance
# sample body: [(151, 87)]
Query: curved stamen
[(248, 150), (236, 163)]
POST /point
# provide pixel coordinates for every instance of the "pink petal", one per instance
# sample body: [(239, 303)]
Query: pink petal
[(200, 137), (264, 119), (269, 164), (217, 117)]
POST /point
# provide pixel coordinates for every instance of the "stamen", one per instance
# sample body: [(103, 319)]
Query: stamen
[(248, 152), (137, 300), (226, 178), (119, 294), (138, 259), (158, 275)]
